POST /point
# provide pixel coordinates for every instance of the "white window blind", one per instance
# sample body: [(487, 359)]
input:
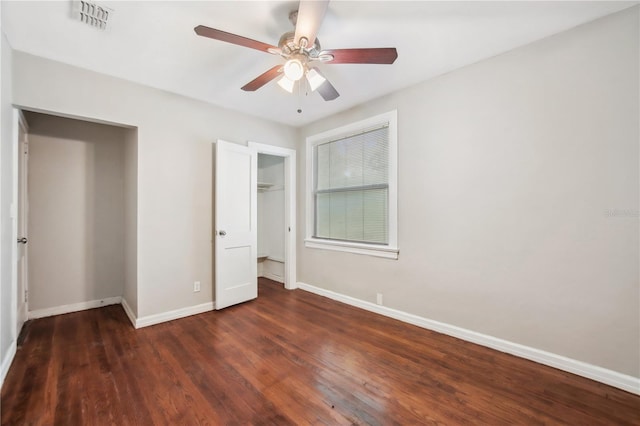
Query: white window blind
[(351, 191)]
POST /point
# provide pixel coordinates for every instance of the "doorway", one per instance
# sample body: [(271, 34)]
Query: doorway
[(271, 222), (276, 213), (72, 191), (23, 213)]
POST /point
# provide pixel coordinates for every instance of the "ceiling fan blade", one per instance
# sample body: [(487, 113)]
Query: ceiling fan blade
[(326, 89), (262, 79), (310, 16), (203, 31), (382, 55)]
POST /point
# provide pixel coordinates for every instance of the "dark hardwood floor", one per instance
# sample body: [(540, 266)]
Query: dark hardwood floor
[(289, 357)]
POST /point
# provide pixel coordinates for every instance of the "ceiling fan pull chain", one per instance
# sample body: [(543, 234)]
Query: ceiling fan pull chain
[(300, 83)]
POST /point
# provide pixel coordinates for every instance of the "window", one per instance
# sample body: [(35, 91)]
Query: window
[(351, 188)]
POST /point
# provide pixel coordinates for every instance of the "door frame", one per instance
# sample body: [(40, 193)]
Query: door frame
[(22, 216), (18, 121), (289, 155)]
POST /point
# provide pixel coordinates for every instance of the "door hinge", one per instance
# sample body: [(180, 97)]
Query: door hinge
[(26, 296)]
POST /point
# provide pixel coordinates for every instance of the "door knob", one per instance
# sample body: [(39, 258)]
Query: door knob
[(222, 233), (22, 240)]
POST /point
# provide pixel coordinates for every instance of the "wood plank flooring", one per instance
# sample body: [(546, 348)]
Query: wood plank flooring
[(289, 357)]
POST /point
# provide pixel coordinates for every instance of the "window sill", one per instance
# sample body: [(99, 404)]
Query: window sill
[(357, 248)]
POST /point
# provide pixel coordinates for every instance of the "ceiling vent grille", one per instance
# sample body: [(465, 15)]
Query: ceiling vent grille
[(91, 13)]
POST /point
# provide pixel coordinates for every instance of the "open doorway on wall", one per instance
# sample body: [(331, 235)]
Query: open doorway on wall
[(276, 201), (77, 197), (271, 223)]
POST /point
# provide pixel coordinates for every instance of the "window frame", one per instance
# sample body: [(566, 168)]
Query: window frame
[(389, 250)]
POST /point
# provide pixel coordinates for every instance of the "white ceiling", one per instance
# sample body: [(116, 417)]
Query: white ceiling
[(153, 43)]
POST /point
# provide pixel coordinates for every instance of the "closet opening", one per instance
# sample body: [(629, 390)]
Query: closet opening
[(78, 190), (271, 222), (276, 214)]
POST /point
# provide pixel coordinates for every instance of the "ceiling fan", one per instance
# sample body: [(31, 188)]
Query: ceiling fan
[(302, 51)]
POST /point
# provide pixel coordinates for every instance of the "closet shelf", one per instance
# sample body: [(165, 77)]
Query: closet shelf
[(264, 185)]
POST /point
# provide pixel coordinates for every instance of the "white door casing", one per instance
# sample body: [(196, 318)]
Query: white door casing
[(235, 232), (23, 234)]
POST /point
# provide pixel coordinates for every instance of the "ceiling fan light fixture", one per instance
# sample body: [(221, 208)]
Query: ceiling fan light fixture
[(286, 84), (315, 79), (300, 48), (293, 69)]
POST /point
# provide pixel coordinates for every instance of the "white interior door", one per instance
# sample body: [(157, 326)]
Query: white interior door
[(236, 236), (23, 208)]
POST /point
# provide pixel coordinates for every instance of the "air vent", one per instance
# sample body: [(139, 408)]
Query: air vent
[(92, 13)]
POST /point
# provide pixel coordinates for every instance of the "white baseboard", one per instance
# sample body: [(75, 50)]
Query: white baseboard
[(273, 277), (137, 322), (600, 374), (74, 307), (172, 315), (129, 312), (6, 361)]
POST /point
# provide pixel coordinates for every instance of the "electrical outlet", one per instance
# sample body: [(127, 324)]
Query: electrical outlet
[(196, 286), (379, 298)]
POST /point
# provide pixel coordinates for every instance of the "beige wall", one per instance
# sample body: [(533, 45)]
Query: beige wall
[(7, 334), (506, 171), (175, 136), (76, 211)]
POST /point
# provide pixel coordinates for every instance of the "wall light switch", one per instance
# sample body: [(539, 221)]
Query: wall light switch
[(196, 286)]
